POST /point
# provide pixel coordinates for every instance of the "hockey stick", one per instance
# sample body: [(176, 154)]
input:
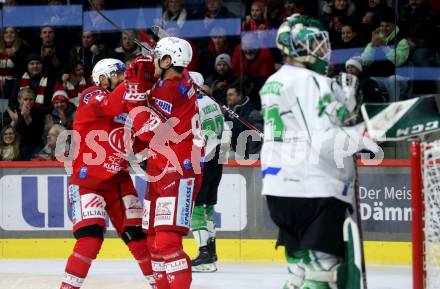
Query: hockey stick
[(160, 33), (135, 40), (359, 224)]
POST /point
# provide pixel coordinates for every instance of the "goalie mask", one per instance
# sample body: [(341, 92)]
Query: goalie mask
[(304, 39)]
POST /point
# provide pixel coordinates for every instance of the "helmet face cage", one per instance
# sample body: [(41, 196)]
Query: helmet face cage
[(304, 39), (310, 41)]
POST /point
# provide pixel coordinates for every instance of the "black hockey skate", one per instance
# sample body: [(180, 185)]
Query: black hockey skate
[(204, 262), (212, 249)]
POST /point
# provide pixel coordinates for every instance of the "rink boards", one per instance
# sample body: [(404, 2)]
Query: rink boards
[(35, 219)]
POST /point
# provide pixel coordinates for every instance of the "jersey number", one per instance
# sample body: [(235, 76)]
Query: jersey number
[(273, 118), (213, 126)]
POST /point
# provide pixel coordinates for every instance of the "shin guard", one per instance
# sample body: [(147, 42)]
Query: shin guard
[(85, 251), (158, 264), (177, 263), (140, 252)]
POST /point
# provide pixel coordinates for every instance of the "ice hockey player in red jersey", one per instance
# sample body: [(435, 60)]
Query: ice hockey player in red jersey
[(100, 184), (177, 144)]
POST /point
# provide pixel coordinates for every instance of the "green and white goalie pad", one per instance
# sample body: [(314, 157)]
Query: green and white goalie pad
[(402, 119)]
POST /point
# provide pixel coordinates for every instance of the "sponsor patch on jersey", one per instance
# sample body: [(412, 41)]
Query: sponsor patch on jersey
[(83, 173), (75, 201), (184, 202), (191, 92), (270, 171), (158, 266), (165, 106), (146, 215), (133, 207), (183, 89), (122, 118), (165, 207), (90, 94), (92, 207), (175, 266), (187, 164)]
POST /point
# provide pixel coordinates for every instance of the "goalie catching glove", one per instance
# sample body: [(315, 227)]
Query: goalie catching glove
[(139, 78)]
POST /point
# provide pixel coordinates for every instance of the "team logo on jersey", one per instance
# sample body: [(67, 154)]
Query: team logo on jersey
[(165, 106), (117, 141)]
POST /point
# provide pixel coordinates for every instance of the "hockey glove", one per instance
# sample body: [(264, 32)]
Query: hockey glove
[(139, 78)]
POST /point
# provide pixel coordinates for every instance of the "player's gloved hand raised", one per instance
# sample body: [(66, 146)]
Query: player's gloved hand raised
[(139, 78)]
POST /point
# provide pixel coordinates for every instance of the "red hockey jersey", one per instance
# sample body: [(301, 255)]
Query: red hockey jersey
[(99, 142), (175, 124)]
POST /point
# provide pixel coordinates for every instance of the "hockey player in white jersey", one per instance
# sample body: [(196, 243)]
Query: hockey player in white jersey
[(203, 222), (307, 180)]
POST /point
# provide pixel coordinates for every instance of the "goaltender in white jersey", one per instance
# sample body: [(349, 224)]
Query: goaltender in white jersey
[(307, 159), (300, 156)]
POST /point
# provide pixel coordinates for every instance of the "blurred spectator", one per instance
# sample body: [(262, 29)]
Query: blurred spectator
[(250, 60), (386, 51), (51, 53), (421, 27), (174, 11), (223, 76), (74, 82), (218, 44), (257, 19), (9, 3), (348, 37), (370, 17), (29, 123), (369, 89), (63, 110), (89, 52), (290, 7), (128, 47), (240, 104), (335, 14), (36, 79), (13, 52), (9, 144), (48, 152), (214, 10)]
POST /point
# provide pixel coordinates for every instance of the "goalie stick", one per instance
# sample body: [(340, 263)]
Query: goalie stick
[(160, 33)]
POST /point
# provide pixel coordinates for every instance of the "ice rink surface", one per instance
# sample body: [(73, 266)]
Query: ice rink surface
[(124, 274)]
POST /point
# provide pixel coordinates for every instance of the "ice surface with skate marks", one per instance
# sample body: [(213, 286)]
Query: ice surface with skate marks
[(118, 274)]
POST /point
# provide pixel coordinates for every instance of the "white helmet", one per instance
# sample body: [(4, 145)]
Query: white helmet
[(178, 49), (197, 78), (106, 67)]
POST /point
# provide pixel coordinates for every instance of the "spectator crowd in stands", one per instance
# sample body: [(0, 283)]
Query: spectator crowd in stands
[(43, 69)]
